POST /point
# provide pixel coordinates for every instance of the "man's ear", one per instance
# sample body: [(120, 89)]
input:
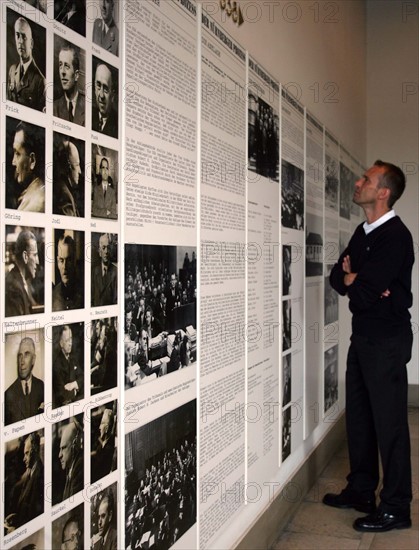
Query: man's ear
[(32, 158), (76, 75)]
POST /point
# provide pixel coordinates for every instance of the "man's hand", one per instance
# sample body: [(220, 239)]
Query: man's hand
[(349, 277), (385, 294)]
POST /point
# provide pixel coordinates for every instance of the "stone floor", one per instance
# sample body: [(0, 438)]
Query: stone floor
[(316, 526)]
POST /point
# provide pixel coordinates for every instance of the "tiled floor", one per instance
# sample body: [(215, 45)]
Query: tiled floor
[(316, 526)]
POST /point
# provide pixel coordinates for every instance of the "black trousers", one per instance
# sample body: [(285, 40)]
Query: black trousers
[(376, 419)]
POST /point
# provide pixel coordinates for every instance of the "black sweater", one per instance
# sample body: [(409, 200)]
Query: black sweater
[(383, 259)]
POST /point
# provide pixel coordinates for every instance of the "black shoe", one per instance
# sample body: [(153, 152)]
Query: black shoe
[(350, 499), (381, 521)]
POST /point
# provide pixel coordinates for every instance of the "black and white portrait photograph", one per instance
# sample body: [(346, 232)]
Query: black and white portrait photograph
[(67, 364), (72, 14), (36, 541), (104, 182), (68, 176), (105, 25), (67, 531), (105, 98), (347, 181), (286, 269), (160, 482), (67, 458), (69, 81), (263, 145), (26, 60), (286, 379), (104, 269), (331, 184), (23, 480), (41, 5), (286, 433), (68, 270), (25, 166), (160, 311), (24, 261), (103, 519), (103, 354), (331, 300), (292, 192), (314, 245), (286, 325), (24, 375), (330, 377), (103, 440)]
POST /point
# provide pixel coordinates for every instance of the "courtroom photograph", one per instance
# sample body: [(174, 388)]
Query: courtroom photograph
[(263, 138), (26, 61), (286, 379), (103, 519), (160, 480), (24, 261), (25, 166), (67, 462), (36, 541), (104, 269), (292, 196), (286, 433), (24, 489), (103, 354), (314, 245), (105, 15), (286, 325), (286, 269), (105, 98), (72, 14), (330, 377), (69, 81), (67, 364), (67, 531), (68, 176), (68, 270), (104, 174), (25, 394), (347, 181), (160, 311), (103, 440), (331, 184)]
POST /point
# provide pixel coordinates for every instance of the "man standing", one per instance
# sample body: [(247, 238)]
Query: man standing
[(104, 276), (26, 83), (68, 293), (105, 31), (106, 537), (71, 105), (66, 180), (104, 196), (104, 115), (28, 163), (67, 375), (19, 295), (25, 397), (375, 273), (71, 458)]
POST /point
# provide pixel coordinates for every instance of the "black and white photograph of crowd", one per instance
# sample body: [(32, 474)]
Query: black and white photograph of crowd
[(331, 184), (160, 311), (292, 191), (263, 144), (330, 377)]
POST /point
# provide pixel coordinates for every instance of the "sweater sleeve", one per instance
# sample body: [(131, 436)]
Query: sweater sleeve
[(337, 275)]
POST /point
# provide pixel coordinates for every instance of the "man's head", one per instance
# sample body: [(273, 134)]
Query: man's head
[(26, 253), (104, 89), (31, 450), (72, 535), (68, 161), (104, 249), (66, 339), (104, 169), (66, 259), (128, 319), (69, 445), (24, 40), (382, 184), (148, 316), (105, 514), (69, 69), (27, 154), (143, 339), (25, 358), (106, 10), (173, 281), (106, 424)]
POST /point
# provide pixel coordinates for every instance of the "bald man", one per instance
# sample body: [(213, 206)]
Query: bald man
[(104, 116), (71, 458), (26, 83), (67, 171)]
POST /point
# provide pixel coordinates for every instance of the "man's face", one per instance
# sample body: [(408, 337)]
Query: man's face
[(104, 170), (66, 341), (73, 164), (64, 455), (71, 537), (23, 161), (105, 517), (144, 340), (367, 188), (68, 75), (103, 428), (173, 281), (28, 454), (106, 9), (31, 258), (128, 320), (25, 359), (23, 38), (104, 249), (66, 262), (148, 318), (103, 90)]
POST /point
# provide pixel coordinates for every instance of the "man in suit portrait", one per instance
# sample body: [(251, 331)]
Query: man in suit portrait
[(67, 372), (72, 14), (25, 397), (71, 104), (19, 295), (104, 276), (71, 458), (25, 83), (105, 31), (104, 112), (69, 292), (104, 195), (106, 537), (67, 171), (103, 456), (72, 535)]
